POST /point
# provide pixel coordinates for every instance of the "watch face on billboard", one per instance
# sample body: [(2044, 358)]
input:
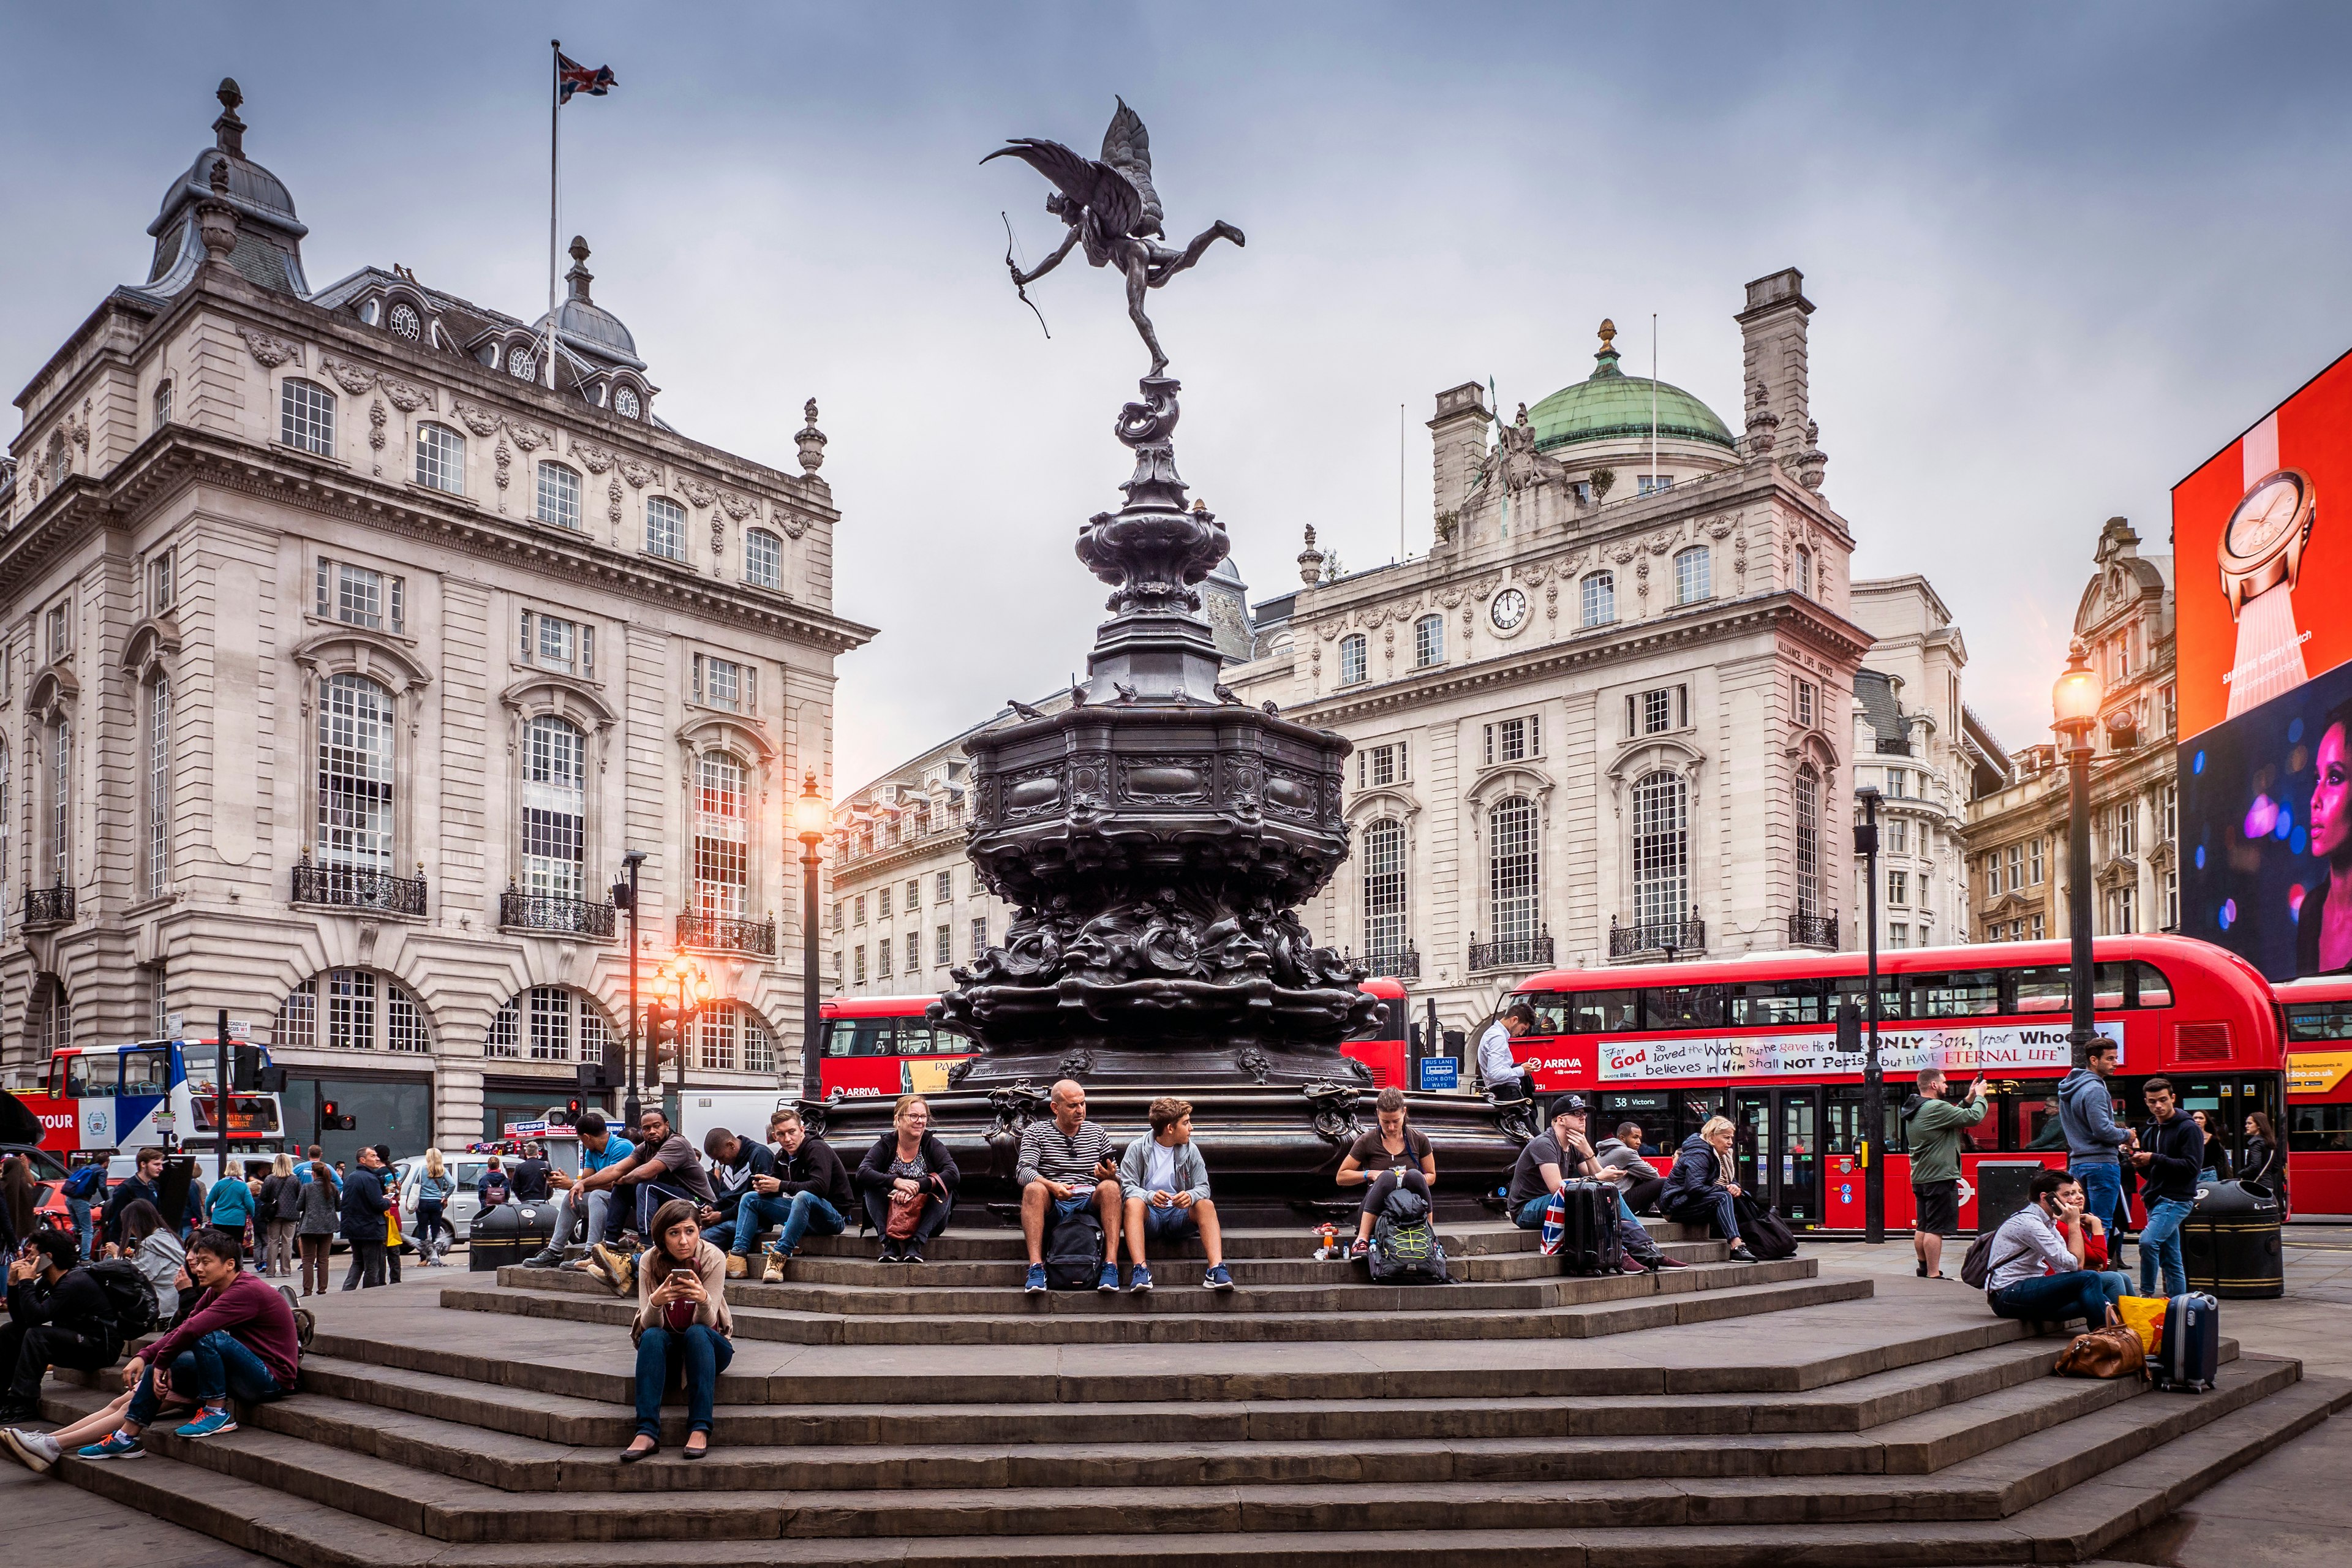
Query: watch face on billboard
[(2263, 557), (2266, 831)]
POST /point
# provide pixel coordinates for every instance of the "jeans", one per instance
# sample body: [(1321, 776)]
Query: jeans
[(651, 1196), (701, 1351), (935, 1213), (84, 1229), (2103, 1199), (27, 1352), (599, 1204), (214, 1367), (1376, 1196), (1712, 1207), (2159, 1242), (429, 1227), (2054, 1298), (798, 1213)]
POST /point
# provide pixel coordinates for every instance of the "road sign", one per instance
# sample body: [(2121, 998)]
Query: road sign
[(1440, 1072)]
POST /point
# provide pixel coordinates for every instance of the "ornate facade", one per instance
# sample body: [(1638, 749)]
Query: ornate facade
[(349, 647), (2017, 834)]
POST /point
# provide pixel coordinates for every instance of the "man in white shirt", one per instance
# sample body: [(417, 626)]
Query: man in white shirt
[(1505, 1078), (2037, 1259)]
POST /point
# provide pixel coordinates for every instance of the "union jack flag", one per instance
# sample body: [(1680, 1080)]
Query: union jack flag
[(572, 76)]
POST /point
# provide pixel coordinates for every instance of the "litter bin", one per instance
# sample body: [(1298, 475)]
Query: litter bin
[(2230, 1242), (508, 1234)]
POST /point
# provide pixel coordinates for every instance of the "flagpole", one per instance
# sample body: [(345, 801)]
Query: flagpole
[(555, 120), (1654, 400)]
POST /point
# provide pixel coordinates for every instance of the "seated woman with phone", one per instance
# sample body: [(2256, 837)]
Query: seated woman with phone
[(682, 1327), (1391, 1155)]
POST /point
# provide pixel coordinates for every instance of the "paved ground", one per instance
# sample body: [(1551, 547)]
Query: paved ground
[(2289, 1511)]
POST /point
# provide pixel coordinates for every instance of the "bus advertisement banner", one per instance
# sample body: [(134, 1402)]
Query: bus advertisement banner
[(1958, 1050)]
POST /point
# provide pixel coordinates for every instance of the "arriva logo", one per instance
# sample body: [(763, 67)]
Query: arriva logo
[(861, 1094)]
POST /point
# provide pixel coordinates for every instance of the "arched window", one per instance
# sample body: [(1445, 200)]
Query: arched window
[(363, 1011), (1660, 849), (405, 321), (163, 403), (1384, 895), (555, 809), (1808, 842), (60, 464), (721, 839), (549, 1024), (61, 784), (156, 872), (559, 495), (48, 1016), (763, 559), (355, 731), (1804, 571), (306, 416), (1513, 881), (664, 529), (1351, 659), (1429, 641), (1599, 599), (1693, 575), (441, 458)]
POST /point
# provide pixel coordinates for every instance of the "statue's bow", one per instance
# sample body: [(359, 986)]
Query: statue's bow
[(1018, 287)]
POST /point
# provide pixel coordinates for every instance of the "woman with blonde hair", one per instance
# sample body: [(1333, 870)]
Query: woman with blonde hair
[(1700, 1188), (433, 1190), (907, 1183)]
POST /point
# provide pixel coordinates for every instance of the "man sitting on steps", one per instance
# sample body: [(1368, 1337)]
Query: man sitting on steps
[(728, 1224), (1065, 1165), (1623, 1153), (600, 1149), (663, 1166), (1550, 1160), (808, 1193), (1166, 1184), (2037, 1259)]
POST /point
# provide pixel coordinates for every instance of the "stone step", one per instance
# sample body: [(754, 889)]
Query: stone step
[(1179, 1271), (671, 1499), (1857, 1405), (960, 1244), (1594, 1308)]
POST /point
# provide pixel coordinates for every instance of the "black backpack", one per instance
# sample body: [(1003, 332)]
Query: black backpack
[(1073, 1252), (1768, 1235), (1405, 1250), (130, 1293)]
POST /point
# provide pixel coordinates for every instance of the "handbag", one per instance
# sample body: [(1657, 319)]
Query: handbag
[(905, 1214), (2112, 1352)]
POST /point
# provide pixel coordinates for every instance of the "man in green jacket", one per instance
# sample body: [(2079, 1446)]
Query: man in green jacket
[(1935, 1125)]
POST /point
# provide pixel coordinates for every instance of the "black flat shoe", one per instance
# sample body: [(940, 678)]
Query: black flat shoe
[(631, 1456), (703, 1452)]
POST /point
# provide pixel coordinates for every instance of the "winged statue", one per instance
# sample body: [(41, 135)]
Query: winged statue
[(1113, 211)]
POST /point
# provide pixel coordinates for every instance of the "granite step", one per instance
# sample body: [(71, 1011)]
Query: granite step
[(960, 1244), (1179, 1271)]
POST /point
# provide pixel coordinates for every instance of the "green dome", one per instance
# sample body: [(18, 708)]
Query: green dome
[(1610, 405)]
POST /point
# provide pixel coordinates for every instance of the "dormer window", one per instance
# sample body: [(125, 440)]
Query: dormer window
[(625, 402), (405, 323)]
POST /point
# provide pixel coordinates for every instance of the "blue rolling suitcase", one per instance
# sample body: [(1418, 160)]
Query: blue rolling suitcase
[(2189, 1355)]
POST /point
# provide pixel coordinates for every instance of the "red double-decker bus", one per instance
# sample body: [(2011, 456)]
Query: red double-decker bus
[(1753, 1038), (885, 1046), (2316, 1015)]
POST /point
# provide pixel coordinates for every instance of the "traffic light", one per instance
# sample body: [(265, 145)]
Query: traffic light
[(595, 1076), (661, 1031), (334, 1118), (572, 1107)]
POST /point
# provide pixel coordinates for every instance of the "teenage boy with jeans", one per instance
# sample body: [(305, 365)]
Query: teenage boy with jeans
[(2171, 1153), (2086, 1115), (1165, 1183), (240, 1342), (2037, 1259)]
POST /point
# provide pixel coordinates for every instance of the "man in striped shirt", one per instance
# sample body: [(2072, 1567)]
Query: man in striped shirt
[(1065, 1165)]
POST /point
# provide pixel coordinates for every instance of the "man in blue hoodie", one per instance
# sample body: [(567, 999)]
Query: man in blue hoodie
[(2086, 1113)]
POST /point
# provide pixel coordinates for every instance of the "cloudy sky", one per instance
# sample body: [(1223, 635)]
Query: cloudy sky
[(2060, 255)]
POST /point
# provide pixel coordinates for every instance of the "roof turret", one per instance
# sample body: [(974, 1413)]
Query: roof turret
[(268, 252), (1610, 405)]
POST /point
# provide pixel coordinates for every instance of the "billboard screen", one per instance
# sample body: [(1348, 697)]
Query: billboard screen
[(2266, 831), (2261, 538)]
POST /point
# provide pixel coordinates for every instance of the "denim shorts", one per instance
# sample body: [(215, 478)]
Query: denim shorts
[(1169, 1221)]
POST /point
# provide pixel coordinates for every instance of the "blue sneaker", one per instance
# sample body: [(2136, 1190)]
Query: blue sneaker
[(1037, 1281), (1139, 1280), (1217, 1279), (121, 1445), (210, 1422), (1108, 1284)]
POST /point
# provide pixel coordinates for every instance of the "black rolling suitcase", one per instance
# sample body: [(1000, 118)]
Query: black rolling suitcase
[(1589, 1241)]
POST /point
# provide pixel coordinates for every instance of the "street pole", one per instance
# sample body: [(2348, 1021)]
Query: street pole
[(630, 1105), (1874, 1071), (2074, 703), (223, 1066), (810, 816)]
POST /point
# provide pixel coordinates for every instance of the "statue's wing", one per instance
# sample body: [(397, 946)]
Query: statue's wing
[(1111, 194), (1127, 147)]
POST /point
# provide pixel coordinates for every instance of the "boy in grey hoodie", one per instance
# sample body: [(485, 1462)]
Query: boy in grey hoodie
[(2086, 1113)]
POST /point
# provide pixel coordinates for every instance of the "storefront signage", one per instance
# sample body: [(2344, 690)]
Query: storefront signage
[(1960, 1051)]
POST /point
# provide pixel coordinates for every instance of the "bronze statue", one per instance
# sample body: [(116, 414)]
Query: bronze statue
[(1111, 208)]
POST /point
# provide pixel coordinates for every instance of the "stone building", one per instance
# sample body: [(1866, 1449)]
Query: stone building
[(349, 647), (2017, 833), (1607, 718)]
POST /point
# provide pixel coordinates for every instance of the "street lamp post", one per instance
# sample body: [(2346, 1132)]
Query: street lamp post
[(810, 817), (626, 894), (1874, 1072), (2075, 706)]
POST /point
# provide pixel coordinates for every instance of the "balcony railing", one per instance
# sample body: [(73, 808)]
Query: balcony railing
[(1900, 747), (1657, 936), (1813, 930), (548, 911), (1400, 964), (1511, 952), (48, 906), (718, 934), (354, 886)]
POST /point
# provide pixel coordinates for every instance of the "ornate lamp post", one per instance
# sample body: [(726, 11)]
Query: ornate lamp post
[(2075, 704), (625, 895), (1874, 1073), (811, 816)]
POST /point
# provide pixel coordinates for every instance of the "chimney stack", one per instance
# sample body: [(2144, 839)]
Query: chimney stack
[(1772, 334)]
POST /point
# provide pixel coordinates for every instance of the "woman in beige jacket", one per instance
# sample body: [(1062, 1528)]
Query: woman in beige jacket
[(681, 1329)]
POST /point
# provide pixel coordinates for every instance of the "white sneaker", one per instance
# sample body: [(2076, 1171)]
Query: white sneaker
[(38, 1450)]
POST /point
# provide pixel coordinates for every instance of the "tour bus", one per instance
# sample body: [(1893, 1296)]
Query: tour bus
[(885, 1047), (1670, 1045), (152, 1092), (2316, 1015)]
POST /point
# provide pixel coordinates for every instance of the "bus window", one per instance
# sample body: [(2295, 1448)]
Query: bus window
[(2155, 990), (2311, 1022), (914, 1037), (1857, 987), (1683, 1008), (1552, 1009), (2037, 1116), (92, 1077), (146, 1072), (1602, 1012), (1966, 993), (1776, 1002), (2049, 988), (2319, 1129), (2044, 990), (1842, 1115), (1984, 1138), (859, 1037), (1692, 1107)]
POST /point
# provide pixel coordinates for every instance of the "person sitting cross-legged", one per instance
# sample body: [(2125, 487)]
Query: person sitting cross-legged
[(662, 1168), (1549, 1160), (1166, 1185), (1065, 1166)]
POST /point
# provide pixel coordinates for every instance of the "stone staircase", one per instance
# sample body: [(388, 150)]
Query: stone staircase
[(931, 1414)]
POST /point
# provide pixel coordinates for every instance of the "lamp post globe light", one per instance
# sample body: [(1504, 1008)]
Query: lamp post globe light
[(1874, 1073), (2074, 709), (811, 818)]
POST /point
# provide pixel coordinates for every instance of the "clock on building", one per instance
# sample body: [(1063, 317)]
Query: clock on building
[(1510, 608)]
